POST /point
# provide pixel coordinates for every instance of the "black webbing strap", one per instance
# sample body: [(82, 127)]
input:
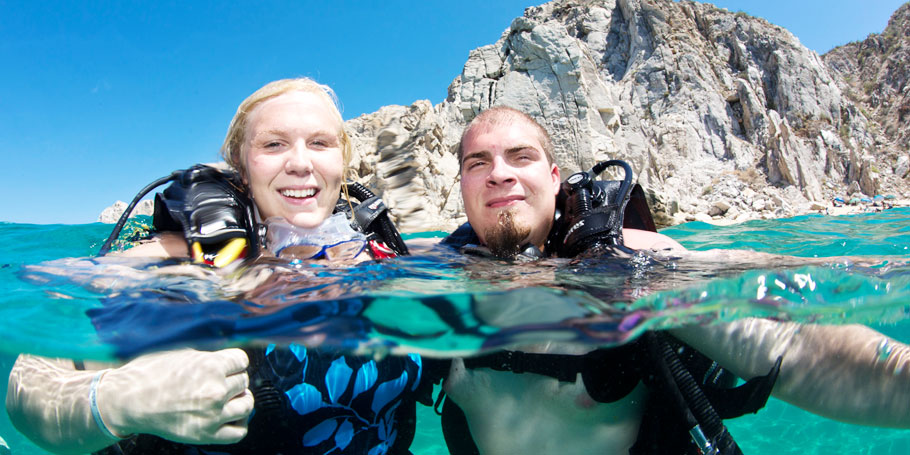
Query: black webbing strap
[(562, 367)]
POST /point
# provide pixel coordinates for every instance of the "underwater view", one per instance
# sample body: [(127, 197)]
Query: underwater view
[(56, 299)]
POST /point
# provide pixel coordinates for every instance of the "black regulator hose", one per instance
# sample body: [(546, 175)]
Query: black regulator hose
[(709, 432), (106, 247), (598, 169)]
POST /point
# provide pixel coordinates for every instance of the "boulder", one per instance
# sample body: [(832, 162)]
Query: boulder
[(112, 214)]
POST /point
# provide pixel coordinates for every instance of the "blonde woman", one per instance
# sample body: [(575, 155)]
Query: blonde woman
[(288, 145)]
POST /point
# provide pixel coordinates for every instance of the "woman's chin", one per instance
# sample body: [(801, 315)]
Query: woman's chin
[(306, 220)]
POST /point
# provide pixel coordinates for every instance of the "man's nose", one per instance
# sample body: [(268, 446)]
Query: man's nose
[(299, 159), (500, 172)]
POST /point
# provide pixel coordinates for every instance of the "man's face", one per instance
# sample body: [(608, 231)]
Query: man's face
[(504, 168)]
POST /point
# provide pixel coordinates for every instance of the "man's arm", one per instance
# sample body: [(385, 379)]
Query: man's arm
[(849, 373), (647, 240), (184, 396), (43, 405)]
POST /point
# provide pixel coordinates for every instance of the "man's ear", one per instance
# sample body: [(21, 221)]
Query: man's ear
[(554, 174)]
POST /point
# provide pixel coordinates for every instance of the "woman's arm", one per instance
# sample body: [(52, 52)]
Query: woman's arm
[(849, 373), (184, 396)]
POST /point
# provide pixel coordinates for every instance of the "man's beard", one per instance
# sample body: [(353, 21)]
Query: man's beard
[(507, 237)]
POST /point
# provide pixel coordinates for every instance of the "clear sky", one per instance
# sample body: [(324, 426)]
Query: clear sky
[(98, 98)]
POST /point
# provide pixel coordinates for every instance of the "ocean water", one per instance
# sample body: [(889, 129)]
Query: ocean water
[(56, 300)]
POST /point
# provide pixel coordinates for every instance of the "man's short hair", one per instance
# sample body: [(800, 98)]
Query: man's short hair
[(504, 115)]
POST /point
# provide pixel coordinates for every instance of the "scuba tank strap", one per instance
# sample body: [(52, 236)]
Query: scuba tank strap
[(747, 398)]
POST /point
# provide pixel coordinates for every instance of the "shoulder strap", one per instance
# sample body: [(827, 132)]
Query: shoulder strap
[(564, 368), (637, 214)]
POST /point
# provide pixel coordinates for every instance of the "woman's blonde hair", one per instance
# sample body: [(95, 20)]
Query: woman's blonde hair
[(233, 148)]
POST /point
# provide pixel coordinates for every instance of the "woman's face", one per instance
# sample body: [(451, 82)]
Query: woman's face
[(294, 158)]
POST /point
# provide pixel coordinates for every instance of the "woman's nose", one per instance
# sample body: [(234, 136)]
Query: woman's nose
[(299, 160)]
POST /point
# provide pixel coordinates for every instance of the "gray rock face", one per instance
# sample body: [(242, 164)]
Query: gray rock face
[(402, 154), (875, 72), (692, 96)]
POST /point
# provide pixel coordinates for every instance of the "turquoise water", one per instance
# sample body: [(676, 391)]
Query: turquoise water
[(44, 302)]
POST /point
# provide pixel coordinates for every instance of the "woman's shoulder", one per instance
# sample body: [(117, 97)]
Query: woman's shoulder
[(163, 245)]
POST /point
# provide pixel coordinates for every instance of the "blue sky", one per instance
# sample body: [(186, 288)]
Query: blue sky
[(99, 98)]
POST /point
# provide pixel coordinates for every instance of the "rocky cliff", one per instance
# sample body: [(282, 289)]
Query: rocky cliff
[(874, 73), (720, 114)]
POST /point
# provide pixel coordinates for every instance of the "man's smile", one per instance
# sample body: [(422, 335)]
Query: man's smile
[(504, 201)]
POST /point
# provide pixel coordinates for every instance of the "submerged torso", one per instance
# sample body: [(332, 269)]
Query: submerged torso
[(531, 413)]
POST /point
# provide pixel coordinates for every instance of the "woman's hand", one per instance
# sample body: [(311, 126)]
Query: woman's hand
[(184, 396)]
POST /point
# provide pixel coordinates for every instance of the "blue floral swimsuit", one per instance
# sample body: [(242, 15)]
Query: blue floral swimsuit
[(314, 402)]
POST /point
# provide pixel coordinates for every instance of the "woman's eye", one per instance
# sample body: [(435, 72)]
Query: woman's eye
[(323, 143)]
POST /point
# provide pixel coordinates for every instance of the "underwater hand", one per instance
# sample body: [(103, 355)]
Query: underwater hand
[(185, 396)]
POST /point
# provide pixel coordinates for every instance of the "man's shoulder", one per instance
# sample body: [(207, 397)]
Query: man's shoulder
[(462, 236)]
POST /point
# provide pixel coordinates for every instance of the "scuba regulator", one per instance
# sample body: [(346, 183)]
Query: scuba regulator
[(590, 212), (214, 213), (209, 206)]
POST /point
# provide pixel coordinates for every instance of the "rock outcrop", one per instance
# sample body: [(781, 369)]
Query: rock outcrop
[(111, 214), (874, 73), (718, 113)]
